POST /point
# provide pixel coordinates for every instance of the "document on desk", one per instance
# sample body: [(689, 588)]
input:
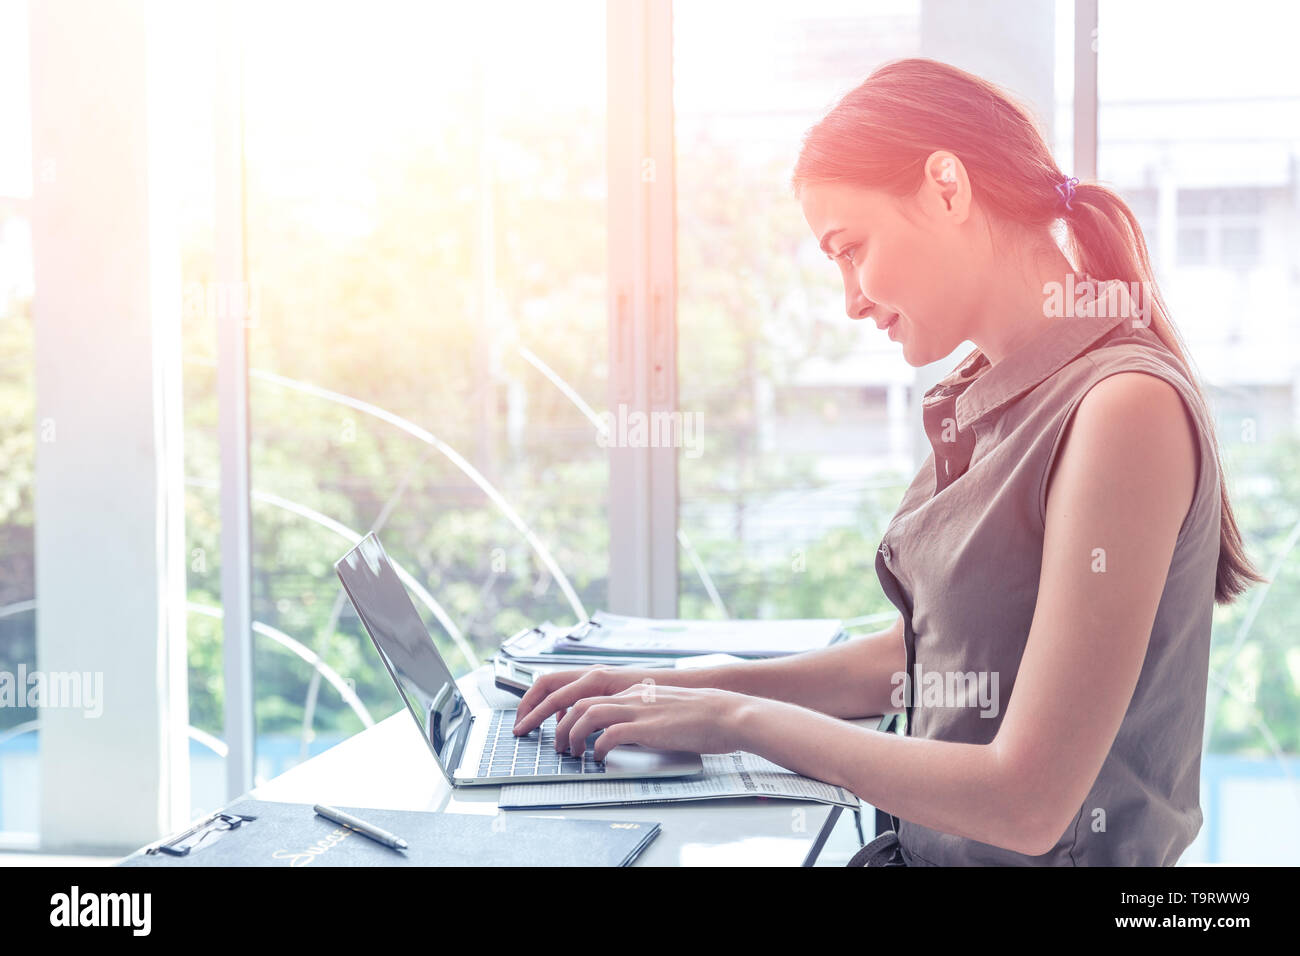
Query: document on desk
[(619, 634), (737, 774)]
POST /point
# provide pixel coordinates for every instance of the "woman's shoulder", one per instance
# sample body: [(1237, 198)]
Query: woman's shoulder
[(1134, 350), (1138, 348), (1133, 382)]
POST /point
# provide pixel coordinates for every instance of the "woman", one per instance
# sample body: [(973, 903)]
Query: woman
[(1056, 560)]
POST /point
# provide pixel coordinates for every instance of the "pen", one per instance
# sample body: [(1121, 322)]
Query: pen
[(362, 827)]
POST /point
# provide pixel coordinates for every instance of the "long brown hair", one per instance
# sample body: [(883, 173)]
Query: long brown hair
[(879, 135)]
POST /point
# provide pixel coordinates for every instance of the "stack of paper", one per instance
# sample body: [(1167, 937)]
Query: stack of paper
[(617, 638), (536, 645)]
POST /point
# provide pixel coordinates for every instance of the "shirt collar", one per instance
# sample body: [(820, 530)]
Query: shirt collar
[(981, 388)]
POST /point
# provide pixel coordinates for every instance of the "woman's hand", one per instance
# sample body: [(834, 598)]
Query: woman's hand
[(701, 720), (552, 693)]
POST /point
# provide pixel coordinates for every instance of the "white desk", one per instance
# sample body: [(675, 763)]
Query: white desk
[(390, 766)]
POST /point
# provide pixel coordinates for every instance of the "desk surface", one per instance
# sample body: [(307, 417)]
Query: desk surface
[(390, 766)]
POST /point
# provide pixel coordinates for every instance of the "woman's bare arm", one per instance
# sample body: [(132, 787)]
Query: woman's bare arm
[(852, 679)]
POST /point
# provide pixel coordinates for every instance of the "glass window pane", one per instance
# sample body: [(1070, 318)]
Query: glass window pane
[(1239, 246), (810, 423), (19, 735), (1193, 245), (426, 248), (1221, 148), (804, 446)]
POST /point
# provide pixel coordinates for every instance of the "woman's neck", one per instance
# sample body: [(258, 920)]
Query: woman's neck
[(1017, 308)]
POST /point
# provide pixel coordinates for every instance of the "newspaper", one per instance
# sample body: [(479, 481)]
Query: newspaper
[(737, 774)]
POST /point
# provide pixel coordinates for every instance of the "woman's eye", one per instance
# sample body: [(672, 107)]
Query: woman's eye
[(847, 254)]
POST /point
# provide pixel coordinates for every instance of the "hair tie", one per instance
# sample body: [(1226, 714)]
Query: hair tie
[(1066, 190)]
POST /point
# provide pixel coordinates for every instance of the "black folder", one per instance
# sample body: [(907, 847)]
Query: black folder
[(262, 833)]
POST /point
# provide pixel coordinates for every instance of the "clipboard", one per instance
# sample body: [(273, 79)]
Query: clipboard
[(201, 835), (276, 834)]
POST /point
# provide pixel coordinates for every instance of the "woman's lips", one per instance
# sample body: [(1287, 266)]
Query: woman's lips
[(888, 326)]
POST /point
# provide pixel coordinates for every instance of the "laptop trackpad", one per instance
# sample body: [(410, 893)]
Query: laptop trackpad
[(634, 759)]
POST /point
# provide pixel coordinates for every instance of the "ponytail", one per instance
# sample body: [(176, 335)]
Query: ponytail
[(1106, 240)]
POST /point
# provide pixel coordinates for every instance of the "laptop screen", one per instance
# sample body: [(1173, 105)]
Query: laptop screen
[(407, 650)]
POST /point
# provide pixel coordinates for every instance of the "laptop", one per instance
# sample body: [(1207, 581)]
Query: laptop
[(474, 747)]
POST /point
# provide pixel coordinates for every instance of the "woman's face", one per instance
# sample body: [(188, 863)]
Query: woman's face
[(912, 266)]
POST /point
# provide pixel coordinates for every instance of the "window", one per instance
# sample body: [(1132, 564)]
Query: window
[(1219, 150), (427, 304), (19, 724), (1221, 227), (809, 428), (425, 243)]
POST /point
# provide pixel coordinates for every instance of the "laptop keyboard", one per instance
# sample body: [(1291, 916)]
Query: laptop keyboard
[(532, 755)]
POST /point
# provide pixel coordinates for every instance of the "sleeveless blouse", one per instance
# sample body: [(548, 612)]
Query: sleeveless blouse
[(961, 559)]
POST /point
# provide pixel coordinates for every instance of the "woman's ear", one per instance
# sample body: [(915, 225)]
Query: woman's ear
[(947, 175)]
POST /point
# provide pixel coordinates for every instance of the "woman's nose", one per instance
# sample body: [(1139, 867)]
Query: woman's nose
[(857, 305)]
